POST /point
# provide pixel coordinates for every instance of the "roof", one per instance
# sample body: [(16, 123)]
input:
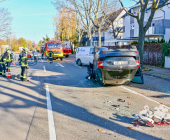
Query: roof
[(111, 18), (138, 4)]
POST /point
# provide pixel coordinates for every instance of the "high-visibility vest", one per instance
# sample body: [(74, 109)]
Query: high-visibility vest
[(9, 58), (24, 62), (50, 54)]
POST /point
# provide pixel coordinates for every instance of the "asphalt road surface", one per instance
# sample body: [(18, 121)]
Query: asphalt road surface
[(59, 103)]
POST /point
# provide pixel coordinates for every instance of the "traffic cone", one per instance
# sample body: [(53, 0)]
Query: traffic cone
[(9, 73), (13, 63)]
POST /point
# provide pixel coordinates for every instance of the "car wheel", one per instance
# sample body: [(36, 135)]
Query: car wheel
[(67, 56), (79, 62), (61, 58)]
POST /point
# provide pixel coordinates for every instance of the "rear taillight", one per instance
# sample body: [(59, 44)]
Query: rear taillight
[(102, 53), (137, 52), (100, 64), (138, 63)]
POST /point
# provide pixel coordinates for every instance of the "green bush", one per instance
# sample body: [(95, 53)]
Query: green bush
[(165, 52)]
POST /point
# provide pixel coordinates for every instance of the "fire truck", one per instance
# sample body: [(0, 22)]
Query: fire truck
[(66, 49), (55, 47)]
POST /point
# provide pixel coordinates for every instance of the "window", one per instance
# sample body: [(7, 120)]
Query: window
[(91, 50)]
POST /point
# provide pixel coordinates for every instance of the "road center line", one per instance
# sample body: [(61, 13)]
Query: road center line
[(50, 116), (44, 69), (137, 93)]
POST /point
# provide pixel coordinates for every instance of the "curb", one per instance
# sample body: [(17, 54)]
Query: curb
[(157, 76)]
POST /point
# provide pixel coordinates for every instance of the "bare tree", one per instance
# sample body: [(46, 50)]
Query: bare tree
[(82, 8), (114, 21), (5, 23), (143, 5), (101, 9)]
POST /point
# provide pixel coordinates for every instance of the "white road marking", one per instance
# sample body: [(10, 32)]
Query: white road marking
[(44, 69), (60, 65), (137, 93), (50, 116), (77, 66)]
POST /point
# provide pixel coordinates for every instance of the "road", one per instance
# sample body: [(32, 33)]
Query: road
[(59, 103)]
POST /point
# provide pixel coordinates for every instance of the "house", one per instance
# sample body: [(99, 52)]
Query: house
[(113, 22), (160, 26)]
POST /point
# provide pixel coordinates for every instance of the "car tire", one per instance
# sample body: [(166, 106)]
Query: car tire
[(67, 56), (79, 62), (61, 58)]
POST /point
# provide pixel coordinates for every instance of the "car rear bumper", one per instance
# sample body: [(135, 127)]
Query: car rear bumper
[(117, 82), (58, 55)]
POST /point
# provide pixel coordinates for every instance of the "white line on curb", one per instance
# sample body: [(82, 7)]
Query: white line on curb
[(134, 92), (44, 69), (50, 116)]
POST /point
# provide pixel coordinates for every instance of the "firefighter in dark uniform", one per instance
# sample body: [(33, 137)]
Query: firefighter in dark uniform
[(24, 65), (50, 56), (19, 59), (9, 60), (42, 52), (35, 55), (4, 57), (1, 64)]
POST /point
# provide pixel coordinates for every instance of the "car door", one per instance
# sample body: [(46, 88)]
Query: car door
[(138, 78)]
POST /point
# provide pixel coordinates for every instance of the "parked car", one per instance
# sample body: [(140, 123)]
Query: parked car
[(114, 66), (84, 55), (29, 55)]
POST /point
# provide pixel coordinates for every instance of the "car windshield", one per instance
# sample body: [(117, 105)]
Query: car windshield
[(68, 46), (54, 45)]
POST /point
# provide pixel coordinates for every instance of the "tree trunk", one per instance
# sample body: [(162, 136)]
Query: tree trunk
[(89, 36), (141, 44), (99, 34)]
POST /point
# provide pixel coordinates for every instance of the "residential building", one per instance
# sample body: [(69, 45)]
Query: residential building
[(160, 26), (114, 21)]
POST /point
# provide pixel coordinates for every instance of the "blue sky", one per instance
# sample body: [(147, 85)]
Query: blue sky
[(33, 19)]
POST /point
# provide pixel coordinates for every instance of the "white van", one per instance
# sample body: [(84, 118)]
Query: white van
[(84, 55)]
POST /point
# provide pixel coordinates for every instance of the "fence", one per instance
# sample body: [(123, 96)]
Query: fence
[(152, 53)]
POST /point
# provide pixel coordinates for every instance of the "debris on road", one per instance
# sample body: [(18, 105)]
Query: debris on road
[(99, 130), (116, 105), (144, 119), (130, 127), (129, 104), (117, 108), (121, 100), (108, 102), (128, 97)]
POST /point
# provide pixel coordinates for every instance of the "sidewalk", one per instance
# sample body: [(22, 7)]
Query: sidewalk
[(158, 72)]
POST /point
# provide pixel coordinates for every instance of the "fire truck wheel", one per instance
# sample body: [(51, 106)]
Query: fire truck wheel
[(67, 56), (61, 58)]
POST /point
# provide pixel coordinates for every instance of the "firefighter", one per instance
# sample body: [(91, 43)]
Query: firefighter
[(50, 56), (42, 51), (1, 64), (4, 57), (19, 59), (24, 65), (9, 59), (35, 55)]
